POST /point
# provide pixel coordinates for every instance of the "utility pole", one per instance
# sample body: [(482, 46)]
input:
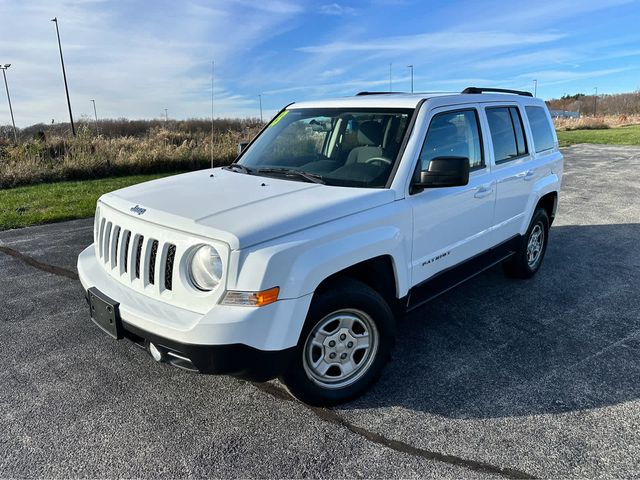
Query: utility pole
[(595, 102), (6, 85), (212, 76), (64, 75), (390, 79), (411, 67), (535, 88), (260, 98), (95, 114)]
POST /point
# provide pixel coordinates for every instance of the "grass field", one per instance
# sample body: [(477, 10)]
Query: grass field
[(55, 202), (629, 135)]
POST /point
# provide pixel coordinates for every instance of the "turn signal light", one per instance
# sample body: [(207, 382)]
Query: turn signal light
[(251, 299)]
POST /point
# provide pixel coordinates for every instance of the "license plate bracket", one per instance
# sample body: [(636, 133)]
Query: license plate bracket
[(105, 313)]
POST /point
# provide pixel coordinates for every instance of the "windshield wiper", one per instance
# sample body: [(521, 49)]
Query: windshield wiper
[(310, 177), (237, 167)]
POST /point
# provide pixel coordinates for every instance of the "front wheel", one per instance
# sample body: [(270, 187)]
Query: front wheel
[(346, 340), (528, 258)]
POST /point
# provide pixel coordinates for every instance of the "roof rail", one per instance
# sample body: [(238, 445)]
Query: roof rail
[(359, 94), (496, 90)]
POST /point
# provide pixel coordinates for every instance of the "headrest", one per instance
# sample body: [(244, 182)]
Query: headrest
[(370, 133)]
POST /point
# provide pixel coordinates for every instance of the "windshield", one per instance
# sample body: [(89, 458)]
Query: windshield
[(348, 147)]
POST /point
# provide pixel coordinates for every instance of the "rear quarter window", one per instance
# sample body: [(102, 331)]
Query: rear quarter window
[(540, 128)]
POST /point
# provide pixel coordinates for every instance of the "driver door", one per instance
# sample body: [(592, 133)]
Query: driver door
[(452, 224)]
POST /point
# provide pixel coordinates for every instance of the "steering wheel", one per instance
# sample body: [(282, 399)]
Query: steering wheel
[(382, 160)]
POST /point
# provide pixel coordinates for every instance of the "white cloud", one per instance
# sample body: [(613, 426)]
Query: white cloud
[(336, 9), (556, 77), (439, 41)]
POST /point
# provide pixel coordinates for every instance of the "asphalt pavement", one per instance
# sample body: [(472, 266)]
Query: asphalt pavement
[(497, 378)]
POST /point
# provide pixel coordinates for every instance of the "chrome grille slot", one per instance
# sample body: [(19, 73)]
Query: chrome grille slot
[(107, 241), (100, 238), (138, 254), (168, 271), (113, 248), (125, 263), (152, 261)]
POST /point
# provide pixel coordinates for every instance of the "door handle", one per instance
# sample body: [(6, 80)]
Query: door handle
[(529, 175), (483, 191)]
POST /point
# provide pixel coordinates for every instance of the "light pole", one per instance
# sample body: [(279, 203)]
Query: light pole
[(95, 114), (535, 88), (595, 102), (260, 98), (4, 74), (64, 75), (212, 76), (411, 67)]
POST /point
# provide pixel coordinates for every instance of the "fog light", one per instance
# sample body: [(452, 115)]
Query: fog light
[(155, 353)]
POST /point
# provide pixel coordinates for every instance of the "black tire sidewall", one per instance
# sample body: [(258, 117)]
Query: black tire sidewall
[(346, 294), (539, 217)]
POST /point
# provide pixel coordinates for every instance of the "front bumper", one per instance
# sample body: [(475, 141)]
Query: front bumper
[(242, 341), (237, 360)]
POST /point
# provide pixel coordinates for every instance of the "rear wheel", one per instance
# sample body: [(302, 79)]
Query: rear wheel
[(346, 340), (528, 258)]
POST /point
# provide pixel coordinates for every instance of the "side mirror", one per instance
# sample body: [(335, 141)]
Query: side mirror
[(242, 146), (445, 172)]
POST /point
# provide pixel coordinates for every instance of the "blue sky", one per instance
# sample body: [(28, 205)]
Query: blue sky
[(137, 58)]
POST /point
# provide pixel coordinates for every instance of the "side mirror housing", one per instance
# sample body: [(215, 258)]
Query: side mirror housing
[(444, 172), (242, 146)]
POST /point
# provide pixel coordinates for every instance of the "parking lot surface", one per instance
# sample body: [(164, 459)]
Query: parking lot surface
[(498, 378)]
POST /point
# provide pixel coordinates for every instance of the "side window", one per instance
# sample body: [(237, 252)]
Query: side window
[(507, 133), (453, 134), (541, 129)]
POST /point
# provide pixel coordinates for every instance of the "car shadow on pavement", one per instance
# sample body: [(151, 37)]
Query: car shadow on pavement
[(568, 339)]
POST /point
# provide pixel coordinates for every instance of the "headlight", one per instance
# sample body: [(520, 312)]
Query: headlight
[(205, 268)]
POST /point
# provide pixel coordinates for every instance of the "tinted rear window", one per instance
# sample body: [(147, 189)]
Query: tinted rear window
[(540, 127)]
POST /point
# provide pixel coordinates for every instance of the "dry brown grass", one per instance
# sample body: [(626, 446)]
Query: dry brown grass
[(87, 156), (596, 123)]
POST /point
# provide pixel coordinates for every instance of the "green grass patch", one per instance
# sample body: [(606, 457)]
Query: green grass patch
[(55, 202), (629, 135)]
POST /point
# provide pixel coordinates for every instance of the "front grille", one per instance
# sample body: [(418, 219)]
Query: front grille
[(123, 251)]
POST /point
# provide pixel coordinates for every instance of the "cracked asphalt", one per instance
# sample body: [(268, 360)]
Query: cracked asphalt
[(497, 378)]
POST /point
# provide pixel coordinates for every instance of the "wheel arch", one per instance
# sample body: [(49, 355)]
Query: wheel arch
[(549, 202), (378, 273)]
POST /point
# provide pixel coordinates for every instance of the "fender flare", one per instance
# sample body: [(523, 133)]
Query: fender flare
[(545, 186)]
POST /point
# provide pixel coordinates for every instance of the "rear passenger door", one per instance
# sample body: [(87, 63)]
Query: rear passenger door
[(512, 168)]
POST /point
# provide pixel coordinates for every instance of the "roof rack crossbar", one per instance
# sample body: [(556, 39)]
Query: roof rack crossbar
[(496, 90)]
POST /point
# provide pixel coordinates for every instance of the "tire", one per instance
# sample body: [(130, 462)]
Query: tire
[(528, 258), (342, 319)]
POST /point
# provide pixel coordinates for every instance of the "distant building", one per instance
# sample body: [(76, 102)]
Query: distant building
[(564, 114)]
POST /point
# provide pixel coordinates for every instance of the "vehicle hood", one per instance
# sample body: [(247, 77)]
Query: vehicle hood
[(241, 210)]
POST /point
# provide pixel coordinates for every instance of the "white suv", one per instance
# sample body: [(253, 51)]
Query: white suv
[(296, 260)]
